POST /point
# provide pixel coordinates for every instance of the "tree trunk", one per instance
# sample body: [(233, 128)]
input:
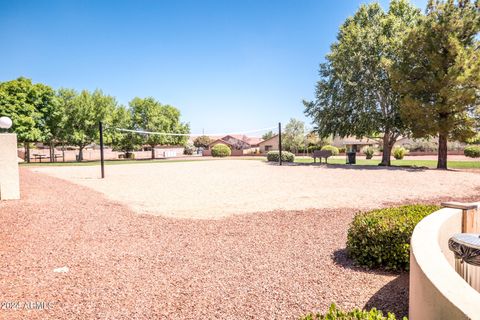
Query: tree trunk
[(52, 152), (80, 154), (442, 152), (153, 152), (27, 151), (63, 152), (388, 143)]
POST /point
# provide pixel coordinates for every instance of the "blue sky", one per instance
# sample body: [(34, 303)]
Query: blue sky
[(227, 65)]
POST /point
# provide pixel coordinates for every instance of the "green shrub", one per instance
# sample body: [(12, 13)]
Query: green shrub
[(333, 149), (189, 149), (286, 156), (336, 314), (342, 150), (221, 150), (472, 151), (399, 153), (369, 152), (381, 238)]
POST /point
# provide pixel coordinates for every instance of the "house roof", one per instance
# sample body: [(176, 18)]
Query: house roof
[(217, 141), (261, 142), (352, 140)]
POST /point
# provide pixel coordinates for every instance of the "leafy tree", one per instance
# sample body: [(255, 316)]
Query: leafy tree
[(202, 142), (150, 115), (31, 108), (122, 141), (354, 96), (294, 135), (268, 135), (438, 75), (84, 111)]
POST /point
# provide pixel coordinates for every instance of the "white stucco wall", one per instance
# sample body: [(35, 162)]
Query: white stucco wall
[(436, 291), (9, 177)]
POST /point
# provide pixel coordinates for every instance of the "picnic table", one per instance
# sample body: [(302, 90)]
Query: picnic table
[(39, 157), (57, 155), (321, 154)]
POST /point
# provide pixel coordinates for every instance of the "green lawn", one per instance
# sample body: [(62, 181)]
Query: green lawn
[(107, 162), (340, 161), (402, 163)]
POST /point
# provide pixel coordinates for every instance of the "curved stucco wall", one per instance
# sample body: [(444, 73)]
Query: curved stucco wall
[(436, 290)]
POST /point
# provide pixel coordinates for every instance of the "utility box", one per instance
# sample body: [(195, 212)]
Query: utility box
[(9, 176), (351, 157)]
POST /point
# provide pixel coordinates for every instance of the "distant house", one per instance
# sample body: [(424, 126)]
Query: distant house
[(239, 144), (270, 144), (354, 144)]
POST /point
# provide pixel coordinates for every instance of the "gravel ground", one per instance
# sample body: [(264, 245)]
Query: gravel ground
[(124, 265), (214, 189)]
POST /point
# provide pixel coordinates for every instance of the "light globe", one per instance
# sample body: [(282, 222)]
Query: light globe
[(5, 123)]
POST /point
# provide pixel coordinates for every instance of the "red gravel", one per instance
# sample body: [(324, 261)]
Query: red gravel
[(129, 266)]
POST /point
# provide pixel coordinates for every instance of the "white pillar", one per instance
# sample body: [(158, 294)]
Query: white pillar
[(9, 177)]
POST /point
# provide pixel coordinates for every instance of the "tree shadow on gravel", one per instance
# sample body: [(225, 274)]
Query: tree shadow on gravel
[(393, 297)]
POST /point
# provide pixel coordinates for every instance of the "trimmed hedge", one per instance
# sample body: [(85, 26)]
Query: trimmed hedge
[(472, 151), (399, 153), (333, 149), (336, 314), (369, 152), (286, 156), (381, 238), (221, 150)]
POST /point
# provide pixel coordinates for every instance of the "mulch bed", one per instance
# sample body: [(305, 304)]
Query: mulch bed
[(124, 265)]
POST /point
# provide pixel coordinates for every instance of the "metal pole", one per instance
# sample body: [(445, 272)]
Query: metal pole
[(280, 143), (102, 162)]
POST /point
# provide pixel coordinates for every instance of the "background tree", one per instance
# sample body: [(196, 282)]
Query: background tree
[(268, 135), (122, 141), (294, 135), (30, 106), (150, 115), (84, 111), (202, 142), (354, 96), (438, 75)]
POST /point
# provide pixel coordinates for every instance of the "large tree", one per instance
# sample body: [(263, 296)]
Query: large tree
[(268, 135), (84, 111), (438, 74), (202, 142), (294, 135), (31, 108), (150, 115), (120, 140), (354, 95)]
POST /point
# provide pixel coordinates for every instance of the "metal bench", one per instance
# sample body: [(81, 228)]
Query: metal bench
[(321, 154)]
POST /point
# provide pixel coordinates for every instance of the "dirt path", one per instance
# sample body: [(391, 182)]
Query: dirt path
[(126, 266)]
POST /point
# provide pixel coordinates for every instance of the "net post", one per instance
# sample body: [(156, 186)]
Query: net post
[(280, 143), (102, 160)]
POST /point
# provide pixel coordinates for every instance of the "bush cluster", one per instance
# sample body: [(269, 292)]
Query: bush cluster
[(221, 150), (275, 156), (369, 152), (336, 314), (342, 150), (189, 149), (381, 238), (333, 149), (399, 153), (472, 151)]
